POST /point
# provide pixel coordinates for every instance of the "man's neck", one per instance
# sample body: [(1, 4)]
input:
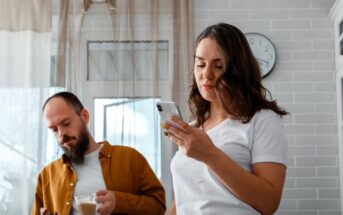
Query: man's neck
[(92, 146)]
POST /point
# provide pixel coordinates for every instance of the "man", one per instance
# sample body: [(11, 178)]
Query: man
[(120, 177)]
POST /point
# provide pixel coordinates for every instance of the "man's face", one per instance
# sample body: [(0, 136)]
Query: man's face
[(69, 128), (76, 151)]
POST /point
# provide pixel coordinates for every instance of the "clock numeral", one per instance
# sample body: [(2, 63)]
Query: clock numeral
[(270, 56), (266, 48)]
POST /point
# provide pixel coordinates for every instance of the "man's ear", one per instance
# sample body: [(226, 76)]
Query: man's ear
[(84, 115)]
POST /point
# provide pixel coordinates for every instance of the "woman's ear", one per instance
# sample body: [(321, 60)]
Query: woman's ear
[(84, 116)]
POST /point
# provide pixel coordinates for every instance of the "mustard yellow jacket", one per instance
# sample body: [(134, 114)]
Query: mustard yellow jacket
[(125, 171)]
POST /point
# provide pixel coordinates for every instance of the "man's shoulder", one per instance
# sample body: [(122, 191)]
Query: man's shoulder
[(125, 150), (53, 165), (119, 150)]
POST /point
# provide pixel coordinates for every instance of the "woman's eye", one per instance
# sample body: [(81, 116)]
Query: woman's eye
[(219, 67), (201, 65)]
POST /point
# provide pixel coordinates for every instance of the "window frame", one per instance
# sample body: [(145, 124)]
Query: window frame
[(89, 90)]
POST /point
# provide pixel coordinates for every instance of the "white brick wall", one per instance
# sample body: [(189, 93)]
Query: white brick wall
[(304, 83)]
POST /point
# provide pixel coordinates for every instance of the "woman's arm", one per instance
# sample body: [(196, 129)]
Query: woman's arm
[(261, 189)]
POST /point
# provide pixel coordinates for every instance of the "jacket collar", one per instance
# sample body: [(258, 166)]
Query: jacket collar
[(105, 150)]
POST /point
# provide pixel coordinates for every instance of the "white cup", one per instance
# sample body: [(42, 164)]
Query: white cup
[(86, 204)]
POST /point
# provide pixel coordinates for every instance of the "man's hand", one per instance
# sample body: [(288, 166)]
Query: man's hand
[(44, 211), (106, 200)]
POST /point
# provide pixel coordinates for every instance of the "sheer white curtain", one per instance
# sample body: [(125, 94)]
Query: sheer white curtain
[(25, 41), (122, 56), (119, 45)]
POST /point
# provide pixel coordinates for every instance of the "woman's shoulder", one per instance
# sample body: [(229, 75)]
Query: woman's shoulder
[(266, 114)]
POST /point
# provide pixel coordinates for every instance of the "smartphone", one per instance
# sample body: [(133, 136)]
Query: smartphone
[(166, 109)]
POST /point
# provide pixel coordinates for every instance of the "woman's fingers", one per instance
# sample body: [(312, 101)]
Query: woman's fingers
[(175, 139), (181, 124), (175, 131)]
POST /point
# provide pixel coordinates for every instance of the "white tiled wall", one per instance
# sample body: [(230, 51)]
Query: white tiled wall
[(303, 82)]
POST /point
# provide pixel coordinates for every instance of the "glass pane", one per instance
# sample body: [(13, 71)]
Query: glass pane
[(130, 122), (104, 55), (24, 149)]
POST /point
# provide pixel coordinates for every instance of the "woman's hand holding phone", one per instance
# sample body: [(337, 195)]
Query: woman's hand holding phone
[(194, 142)]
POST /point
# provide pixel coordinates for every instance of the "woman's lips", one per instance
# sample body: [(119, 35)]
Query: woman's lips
[(207, 86)]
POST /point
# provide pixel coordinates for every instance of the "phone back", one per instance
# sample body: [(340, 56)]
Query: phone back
[(166, 109)]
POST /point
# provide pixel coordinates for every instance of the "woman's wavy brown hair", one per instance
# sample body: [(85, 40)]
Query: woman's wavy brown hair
[(239, 89)]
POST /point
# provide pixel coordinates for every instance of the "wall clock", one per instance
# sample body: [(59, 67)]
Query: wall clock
[(264, 52)]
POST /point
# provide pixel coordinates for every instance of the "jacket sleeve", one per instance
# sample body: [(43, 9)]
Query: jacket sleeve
[(38, 202), (151, 196)]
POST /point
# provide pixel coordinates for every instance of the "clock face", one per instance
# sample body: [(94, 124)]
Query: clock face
[(263, 50)]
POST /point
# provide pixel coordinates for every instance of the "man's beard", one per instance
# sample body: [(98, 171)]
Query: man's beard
[(76, 153)]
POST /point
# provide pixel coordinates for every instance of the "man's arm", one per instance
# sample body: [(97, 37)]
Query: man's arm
[(38, 206), (135, 187), (151, 196), (38, 203)]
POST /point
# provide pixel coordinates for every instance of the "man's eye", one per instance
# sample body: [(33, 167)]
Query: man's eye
[(53, 129)]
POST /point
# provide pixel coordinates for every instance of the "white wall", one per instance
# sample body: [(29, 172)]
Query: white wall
[(303, 82)]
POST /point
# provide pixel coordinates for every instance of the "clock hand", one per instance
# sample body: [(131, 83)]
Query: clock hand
[(262, 61)]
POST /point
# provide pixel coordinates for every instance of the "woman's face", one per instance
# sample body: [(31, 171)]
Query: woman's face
[(209, 66)]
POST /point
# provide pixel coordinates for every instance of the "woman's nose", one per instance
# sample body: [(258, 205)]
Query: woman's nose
[(208, 73)]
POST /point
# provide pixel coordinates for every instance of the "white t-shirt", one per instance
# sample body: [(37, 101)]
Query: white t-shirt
[(89, 177), (198, 191)]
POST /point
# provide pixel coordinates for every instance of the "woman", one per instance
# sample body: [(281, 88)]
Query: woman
[(232, 158)]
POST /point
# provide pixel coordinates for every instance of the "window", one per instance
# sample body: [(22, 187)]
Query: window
[(120, 91), (23, 142), (103, 57), (130, 122)]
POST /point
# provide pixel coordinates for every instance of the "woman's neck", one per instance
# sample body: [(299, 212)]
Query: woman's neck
[(216, 109), (213, 120), (216, 115)]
